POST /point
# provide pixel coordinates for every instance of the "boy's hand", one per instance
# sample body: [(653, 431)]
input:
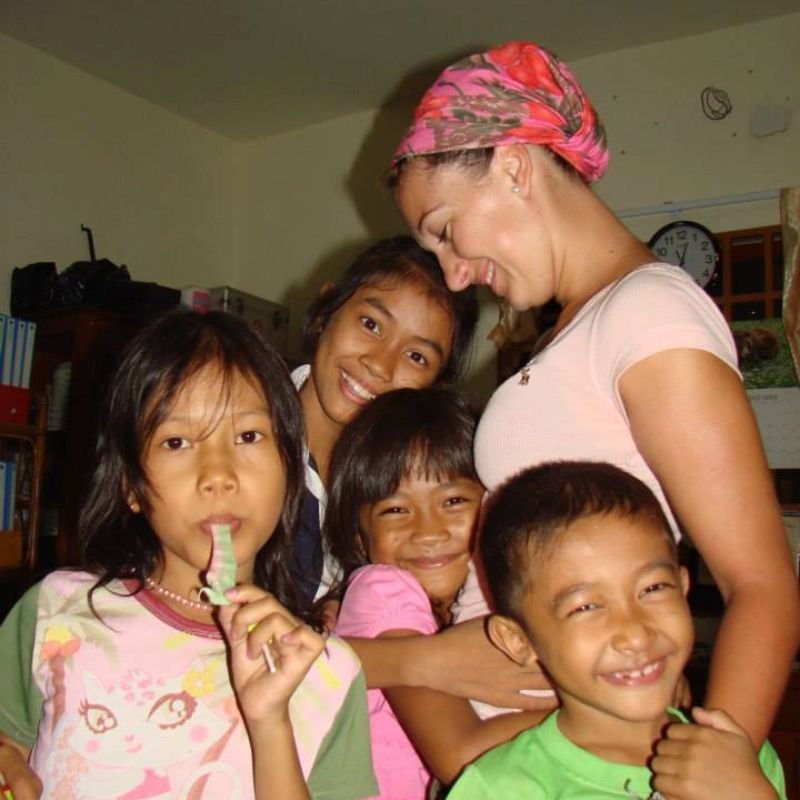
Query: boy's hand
[(713, 758), (18, 776), (256, 621)]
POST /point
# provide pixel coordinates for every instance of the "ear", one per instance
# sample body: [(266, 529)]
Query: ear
[(131, 501), (515, 165), (683, 573), (509, 638)]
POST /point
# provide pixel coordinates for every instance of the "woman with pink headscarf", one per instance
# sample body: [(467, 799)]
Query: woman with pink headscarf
[(493, 177)]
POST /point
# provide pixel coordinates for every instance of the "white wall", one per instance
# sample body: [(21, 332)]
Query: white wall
[(277, 216), (664, 148), (300, 218), (157, 191)]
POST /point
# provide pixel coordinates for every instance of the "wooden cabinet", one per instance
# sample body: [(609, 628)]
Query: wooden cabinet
[(19, 547), (90, 341)]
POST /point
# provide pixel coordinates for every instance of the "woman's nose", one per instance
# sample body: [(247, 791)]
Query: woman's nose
[(457, 273)]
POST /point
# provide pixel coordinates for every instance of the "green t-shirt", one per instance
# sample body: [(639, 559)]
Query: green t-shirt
[(542, 763)]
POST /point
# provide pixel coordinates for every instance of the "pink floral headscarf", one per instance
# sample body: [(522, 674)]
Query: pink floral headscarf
[(516, 93)]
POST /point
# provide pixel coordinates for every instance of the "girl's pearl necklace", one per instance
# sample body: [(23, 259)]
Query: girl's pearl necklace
[(199, 605)]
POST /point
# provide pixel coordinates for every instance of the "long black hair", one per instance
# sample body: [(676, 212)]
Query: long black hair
[(114, 541), (425, 432)]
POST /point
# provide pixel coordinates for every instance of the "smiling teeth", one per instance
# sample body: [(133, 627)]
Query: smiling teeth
[(357, 387), (637, 673), (489, 275)]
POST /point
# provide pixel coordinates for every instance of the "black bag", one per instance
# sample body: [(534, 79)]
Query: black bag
[(34, 288), (91, 283)]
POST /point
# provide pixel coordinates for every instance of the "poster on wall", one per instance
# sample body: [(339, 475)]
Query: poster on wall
[(765, 359), (769, 354)]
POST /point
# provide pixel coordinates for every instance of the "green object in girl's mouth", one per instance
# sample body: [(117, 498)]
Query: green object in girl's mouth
[(221, 574)]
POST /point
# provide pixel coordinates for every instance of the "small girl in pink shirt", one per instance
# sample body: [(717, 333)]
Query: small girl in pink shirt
[(401, 517)]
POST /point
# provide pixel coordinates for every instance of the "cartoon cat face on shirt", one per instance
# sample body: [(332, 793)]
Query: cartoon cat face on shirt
[(147, 722)]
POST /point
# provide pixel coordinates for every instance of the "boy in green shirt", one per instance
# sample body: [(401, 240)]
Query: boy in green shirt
[(585, 576)]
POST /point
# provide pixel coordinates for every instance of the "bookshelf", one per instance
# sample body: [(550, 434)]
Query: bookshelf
[(19, 547)]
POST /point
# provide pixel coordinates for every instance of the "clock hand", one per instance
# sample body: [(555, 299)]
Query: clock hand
[(682, 256)]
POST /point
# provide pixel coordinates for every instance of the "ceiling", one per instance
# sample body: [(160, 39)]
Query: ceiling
[(251, 68)]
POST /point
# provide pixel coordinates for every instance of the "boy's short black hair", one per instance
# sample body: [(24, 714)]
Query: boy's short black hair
[(398, 261), (527, 514)]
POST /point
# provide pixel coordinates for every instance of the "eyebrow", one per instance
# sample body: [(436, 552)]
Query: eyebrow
[(185, 418), (657, 563), (379, 306)]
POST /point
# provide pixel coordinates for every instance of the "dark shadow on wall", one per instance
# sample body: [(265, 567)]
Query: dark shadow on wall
[(365, 183), (301, 294), (374, 203)]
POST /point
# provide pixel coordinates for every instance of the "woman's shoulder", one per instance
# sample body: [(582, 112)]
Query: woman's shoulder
[(657, 295), (657, 279)]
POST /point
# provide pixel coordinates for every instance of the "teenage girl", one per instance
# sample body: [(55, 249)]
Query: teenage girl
[(401, 517), (120, 680), (390, 322)]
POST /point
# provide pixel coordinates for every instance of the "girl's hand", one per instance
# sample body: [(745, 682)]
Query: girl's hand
[(256, 622), (15, 772), (713, 758)]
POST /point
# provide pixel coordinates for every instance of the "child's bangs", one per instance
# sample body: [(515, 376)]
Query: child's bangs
[(210, 354), (438, 460)]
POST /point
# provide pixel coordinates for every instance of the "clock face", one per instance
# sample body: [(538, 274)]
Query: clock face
[(687, 245)]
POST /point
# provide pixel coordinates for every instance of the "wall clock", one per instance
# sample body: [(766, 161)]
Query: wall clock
[(688, 245)]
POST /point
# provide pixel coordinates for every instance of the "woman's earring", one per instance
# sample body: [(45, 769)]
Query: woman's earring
[(134, 506), (515, 188)]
